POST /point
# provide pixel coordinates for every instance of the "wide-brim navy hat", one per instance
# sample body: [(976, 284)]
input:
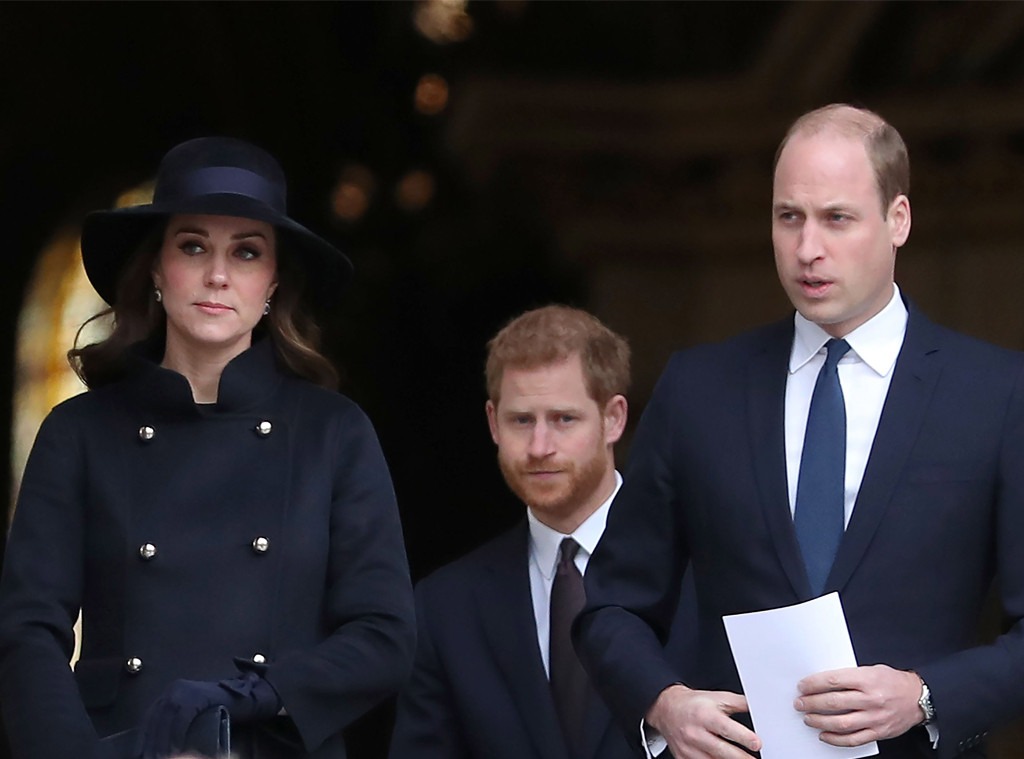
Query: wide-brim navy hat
[(218, 176)]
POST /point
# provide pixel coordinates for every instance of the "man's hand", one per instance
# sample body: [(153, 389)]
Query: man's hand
[(696, 723), (858, 705)]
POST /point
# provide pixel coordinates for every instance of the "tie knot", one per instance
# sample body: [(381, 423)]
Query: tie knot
[(836, 350), (567, 551)]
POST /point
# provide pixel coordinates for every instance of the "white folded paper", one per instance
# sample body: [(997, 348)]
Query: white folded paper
[(774, 650)]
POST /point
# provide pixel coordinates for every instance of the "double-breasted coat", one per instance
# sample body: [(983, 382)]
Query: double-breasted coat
[(258, 530)]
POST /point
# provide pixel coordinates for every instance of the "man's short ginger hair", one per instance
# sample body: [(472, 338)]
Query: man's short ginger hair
[(884, 145), (553, 334)]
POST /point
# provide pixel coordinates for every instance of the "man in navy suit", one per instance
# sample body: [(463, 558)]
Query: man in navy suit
[(929, 492), (488, 623)]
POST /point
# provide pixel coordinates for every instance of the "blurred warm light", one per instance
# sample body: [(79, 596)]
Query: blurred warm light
[(136, 196), (415, 190), (353, 192), (58, 301), (443, 21), (431, 94)]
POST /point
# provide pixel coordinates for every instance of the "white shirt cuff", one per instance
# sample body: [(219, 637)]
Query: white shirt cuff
[(654, 744)]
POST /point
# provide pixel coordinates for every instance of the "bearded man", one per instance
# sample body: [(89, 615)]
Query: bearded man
[(495, 674)]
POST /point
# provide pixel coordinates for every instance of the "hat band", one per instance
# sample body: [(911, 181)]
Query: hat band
[(219, 180)]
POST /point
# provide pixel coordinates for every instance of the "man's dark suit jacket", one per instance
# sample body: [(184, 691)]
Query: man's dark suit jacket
[(939, 512), (478, 687)]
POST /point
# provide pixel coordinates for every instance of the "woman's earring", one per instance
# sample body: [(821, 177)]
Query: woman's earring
[(266, 307), (159, 295)]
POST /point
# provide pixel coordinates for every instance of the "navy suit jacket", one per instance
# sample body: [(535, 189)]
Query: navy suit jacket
[(478, 687), (939, 513)]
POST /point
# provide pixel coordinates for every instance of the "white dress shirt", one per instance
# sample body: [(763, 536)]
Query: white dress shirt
[(864, 374), (544, 543)]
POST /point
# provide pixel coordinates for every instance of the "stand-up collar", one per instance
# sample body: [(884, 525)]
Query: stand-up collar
[(248, 379)]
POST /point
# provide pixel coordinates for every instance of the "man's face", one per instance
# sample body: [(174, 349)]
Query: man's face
[(555, 442), (835, 249)]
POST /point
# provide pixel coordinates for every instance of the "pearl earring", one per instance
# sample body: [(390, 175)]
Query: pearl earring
[(266, 307), (159, 295)]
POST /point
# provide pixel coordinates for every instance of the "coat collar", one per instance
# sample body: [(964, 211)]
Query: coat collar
[(918, 369), (766, 399), (506, 611), (247, 381)]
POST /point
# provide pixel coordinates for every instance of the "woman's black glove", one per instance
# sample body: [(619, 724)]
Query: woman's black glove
[(247, 698)]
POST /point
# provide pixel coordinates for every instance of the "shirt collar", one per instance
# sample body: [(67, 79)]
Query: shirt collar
[(544, 541), (876, 342)]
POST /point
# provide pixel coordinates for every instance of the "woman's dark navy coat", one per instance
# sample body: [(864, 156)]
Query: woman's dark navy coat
[(262, 529)]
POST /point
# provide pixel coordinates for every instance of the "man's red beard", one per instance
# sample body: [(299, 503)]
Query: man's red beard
[(565, 492)]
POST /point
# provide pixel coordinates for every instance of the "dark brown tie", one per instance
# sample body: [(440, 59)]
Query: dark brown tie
[(568, 679)]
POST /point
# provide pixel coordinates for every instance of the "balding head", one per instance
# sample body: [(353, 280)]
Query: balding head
[(884, 145)]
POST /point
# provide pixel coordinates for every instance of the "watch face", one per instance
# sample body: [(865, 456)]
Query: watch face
[(925, 702)]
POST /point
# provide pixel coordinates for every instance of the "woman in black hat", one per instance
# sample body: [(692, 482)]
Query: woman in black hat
[(225, 523)]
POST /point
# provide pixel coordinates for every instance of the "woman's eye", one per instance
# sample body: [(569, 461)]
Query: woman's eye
[(247, 254), (191, 248)]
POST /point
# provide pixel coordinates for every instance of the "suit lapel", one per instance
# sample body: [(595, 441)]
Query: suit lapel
[(506, 611), (766, 397), (914, 377)]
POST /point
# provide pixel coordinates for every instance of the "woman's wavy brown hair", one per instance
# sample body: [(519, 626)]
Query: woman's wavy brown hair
[(138, 317)]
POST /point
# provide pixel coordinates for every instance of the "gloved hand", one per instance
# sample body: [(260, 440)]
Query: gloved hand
[(247, 698)]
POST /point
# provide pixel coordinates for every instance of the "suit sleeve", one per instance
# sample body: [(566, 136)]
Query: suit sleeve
[(979, 687), (368, 599), (40, 597), (633, 579), (426, 725)]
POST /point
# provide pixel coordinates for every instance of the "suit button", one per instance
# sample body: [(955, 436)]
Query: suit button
[(260, 545), (264, 428), (258, 658), (133, 665), (146, 433), (147, 551)]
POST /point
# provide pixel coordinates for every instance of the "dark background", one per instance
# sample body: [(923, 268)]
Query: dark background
[(612, 155)]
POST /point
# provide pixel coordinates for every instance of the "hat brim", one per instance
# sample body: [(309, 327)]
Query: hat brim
[(109, 238)]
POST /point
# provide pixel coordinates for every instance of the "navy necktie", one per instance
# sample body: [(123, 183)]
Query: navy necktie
[(819, 517), (568, 678)]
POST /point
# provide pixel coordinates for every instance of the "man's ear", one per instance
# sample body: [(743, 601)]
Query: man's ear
[(616, 412), (492, 420), (899, 220)]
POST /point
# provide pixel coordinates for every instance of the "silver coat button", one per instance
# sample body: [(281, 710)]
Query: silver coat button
[(259, 658), (260, 544), (264, 428), (146, 433), (133, 665), (147, 551)]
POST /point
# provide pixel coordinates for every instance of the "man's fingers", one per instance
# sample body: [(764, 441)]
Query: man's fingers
[(846, 740), (834, 702), (849, 678), (698, 724), (731, 703)]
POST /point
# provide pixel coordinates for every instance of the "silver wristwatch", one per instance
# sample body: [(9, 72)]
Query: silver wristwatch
[(925, 702)]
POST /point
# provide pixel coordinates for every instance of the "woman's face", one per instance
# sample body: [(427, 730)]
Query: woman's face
[(215, 273)]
